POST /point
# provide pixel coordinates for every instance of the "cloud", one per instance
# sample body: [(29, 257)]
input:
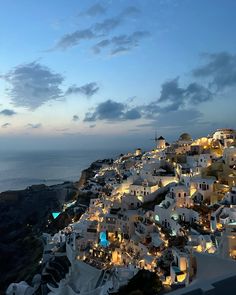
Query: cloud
[(176, 105), (220, 69), (96, 30), (197, 93), (75, 118), (179, 118), (7, 112), (100, 45), (178, 97), (96, 9), (111, 110), (34, 126), (121, 43), (33, 84), (88, 89), (171, 92), (132, 114), (176, 119), (110, 24), (92, 126), (108, 110), (6, 125), (107, 25), (129, 11), (73, 39)]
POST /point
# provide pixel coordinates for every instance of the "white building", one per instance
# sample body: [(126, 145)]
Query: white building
[(229, 156), (226, 136), (202, 187)]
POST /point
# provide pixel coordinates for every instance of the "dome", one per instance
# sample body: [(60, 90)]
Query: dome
[(185, 136), (161, 138)]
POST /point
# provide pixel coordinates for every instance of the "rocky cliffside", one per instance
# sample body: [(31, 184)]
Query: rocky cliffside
[(24, 216)]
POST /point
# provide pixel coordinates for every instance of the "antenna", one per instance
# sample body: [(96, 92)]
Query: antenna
[(155, 137)]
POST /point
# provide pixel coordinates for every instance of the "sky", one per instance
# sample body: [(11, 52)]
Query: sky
[(111, 74)]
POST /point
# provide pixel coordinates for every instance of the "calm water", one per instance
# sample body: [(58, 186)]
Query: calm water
[(21, 169)]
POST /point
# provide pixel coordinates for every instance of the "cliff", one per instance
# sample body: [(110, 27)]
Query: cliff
[(25, 214)]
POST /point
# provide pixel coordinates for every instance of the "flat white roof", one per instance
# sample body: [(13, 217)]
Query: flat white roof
[(210, 269)]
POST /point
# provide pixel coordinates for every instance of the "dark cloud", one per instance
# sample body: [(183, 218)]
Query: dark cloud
[(7, 112), (108, 110), (97, 30), (126, 43), (90, 117), (111, 110), (107, 25), (110, 24), (178, 97), (129, 11), (100, 45), (6, 125), (75, 118), (34, 126), (73, 39), (33, 84), (197, 93), (132, 114), (88, 89), (121, 43), (96, 9), (119, 50), (220, 70), (176, 105), (171, 92), (92, 126)]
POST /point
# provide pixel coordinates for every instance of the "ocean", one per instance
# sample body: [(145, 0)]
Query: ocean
[(19, 169)]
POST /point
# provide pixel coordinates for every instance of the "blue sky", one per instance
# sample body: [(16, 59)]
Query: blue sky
[(111, 73)]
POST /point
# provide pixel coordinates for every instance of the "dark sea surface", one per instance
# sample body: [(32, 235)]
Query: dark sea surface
[(21, 169)]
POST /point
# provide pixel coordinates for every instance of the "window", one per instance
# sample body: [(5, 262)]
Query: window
[(205, 186)]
